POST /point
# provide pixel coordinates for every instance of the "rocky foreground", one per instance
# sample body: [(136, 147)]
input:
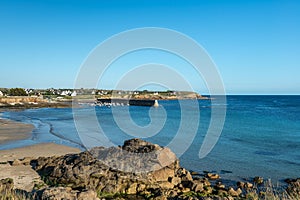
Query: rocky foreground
[(136, 170)]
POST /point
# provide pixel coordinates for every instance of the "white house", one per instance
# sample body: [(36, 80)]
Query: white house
[(65, 92), (74, 94), (28, 91), (1, 93)]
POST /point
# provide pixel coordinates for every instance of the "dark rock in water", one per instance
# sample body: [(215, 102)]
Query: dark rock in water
[(225, 172)]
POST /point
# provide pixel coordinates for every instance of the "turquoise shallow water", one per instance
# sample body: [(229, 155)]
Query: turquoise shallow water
[(261, 135)]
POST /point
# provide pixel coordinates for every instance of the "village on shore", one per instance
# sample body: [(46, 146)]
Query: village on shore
[(19, 97)]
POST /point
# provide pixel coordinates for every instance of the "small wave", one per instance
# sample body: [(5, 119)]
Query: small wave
[(266, 153), (51, 131)]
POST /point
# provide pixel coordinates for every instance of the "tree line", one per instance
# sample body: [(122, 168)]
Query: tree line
[(14, 92)]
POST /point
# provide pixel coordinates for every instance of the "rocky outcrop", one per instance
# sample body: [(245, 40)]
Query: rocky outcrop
[(136, 170), (135, 156), (293, 188)]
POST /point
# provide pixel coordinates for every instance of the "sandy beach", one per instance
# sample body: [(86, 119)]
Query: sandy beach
[(38, 150), (23, 175), (12, 130)]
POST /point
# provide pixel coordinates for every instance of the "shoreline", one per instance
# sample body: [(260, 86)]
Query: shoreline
[(212, 170), (62, 171), (36, 150), (12, 130), (9, 103), (15, 138), (14, 163)]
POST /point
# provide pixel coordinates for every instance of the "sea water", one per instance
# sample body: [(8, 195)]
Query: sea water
[(260, 137)]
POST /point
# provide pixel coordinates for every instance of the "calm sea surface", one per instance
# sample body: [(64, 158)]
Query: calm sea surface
[(261, 135)]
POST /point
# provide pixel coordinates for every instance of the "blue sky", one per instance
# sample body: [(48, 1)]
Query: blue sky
[(255, 44)]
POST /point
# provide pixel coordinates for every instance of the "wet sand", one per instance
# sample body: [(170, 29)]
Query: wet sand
[(35, 151), (12, 130), (23, 175)]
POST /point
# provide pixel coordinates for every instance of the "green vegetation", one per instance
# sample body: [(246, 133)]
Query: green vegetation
[(17, 92), (111, 195)]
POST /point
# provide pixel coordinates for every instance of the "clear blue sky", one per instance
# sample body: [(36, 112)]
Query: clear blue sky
[(255, 44)]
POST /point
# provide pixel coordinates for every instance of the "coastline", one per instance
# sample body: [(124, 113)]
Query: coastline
[(212, 169), (80, 175), (9, 104)]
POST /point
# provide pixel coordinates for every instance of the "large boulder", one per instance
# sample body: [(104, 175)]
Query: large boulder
[(133, 168), (135, 156)]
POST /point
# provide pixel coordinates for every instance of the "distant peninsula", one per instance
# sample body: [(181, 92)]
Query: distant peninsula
[(29, 98)]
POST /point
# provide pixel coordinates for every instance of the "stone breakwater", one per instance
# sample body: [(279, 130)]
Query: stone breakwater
[(122, 173), (122, 101)]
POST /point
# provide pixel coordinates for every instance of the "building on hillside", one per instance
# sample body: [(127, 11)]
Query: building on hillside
[(1, 93), (74, 94), (66, 93)]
